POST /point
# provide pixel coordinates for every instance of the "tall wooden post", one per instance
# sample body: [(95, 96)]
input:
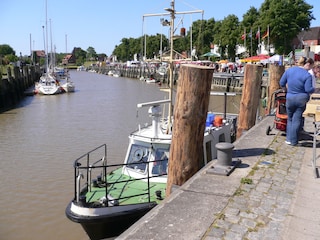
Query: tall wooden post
[(275, 73), (190, 112), (250, 99)]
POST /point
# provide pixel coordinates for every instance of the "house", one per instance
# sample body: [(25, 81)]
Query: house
[(69, 58), (37, 55), (308, 38)]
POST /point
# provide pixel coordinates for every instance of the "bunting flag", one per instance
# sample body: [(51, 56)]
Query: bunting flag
[(250, 34), (258, 34), (244, 35), (266, 34)]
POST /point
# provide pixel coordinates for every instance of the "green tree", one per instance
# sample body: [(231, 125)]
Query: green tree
[(5, 49), (249, 27), (91, 54), (80, 56), (285, 18), (9, 58), (229, 33)]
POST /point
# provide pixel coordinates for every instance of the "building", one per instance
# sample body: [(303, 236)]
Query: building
[(308, 38)]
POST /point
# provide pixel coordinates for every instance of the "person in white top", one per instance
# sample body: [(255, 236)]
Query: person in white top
[(315, 73)]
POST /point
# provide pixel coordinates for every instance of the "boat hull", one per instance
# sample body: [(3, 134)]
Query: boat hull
[(110, 223)]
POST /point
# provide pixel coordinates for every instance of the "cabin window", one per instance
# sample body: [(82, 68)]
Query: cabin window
[(160, 167), (138, 157)]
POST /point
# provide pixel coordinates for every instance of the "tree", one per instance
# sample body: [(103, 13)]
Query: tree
[(80, 56), (248, 28), (285, 18), (5, 49), (228, 35), (91, 54)]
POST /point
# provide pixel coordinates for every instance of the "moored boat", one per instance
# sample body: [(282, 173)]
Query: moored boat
[(114, 196), (109, 198), (48, 85)]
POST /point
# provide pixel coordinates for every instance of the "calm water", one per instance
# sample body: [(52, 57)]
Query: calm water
[(41, 137)]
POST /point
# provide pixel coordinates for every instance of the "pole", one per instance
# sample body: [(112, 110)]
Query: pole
[(171, 67), (192, 101)]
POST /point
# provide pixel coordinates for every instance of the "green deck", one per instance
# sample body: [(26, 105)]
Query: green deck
[(126, 189)]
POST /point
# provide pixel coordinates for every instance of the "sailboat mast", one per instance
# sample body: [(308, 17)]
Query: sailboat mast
[(47, 58), (172, 14)]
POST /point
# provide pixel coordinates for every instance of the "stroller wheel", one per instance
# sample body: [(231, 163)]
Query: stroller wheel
[(268, 130)]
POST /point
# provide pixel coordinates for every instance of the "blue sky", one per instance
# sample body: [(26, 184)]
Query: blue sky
[(102, 24)]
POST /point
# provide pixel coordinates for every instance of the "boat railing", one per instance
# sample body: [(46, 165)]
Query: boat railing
[(96, 161)]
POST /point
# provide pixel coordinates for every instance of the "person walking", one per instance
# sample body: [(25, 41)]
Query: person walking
[(297, 82)]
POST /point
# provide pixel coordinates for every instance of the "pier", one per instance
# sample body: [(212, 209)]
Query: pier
[(272, 195), (15, 83)]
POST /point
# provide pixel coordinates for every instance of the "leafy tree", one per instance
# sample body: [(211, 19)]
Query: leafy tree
[(80, 56), (9, 58), (285, 18), (5, 49), (229, 35), (249, 27), (91, 54), (208, 34)]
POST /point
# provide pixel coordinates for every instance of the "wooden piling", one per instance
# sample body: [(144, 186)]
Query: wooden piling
[(190, 112), (275, 73), (250, 99)]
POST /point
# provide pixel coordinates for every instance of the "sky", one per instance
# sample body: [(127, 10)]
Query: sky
[(102, 24)]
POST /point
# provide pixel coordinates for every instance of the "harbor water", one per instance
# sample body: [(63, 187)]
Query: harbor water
[(43, 135)]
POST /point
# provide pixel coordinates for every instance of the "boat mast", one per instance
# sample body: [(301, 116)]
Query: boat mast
[(47, 55), (172, 14)]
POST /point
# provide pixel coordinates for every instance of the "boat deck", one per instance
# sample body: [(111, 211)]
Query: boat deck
[(123, 189)]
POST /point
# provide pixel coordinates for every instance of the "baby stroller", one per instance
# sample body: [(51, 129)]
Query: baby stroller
[(280, 119)]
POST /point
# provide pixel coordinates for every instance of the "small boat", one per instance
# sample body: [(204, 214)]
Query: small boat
[(68, 85), (109, 198), (151, 80), (116, 73), (48, 85), (81, 68)]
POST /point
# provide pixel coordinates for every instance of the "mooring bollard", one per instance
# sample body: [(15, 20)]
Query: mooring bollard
[(224, 164), (224, 153)]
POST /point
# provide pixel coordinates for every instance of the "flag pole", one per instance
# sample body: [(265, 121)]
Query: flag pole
[(245, 37), (251, 41), (268, 40), (259, 40)]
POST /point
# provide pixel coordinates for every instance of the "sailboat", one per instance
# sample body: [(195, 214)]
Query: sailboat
[(109, 198), (48, 83), (68, 85)]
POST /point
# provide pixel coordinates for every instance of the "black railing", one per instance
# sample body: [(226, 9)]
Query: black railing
[(102, 164)]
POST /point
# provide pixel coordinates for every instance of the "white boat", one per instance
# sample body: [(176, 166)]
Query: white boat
[(110, 72), (68, 86), (109, 198), (48, 85), (116, 73), (106, 202), (81, 68), (151, 80)]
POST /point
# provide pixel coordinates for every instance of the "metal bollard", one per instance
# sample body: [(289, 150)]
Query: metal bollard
[(224, 164), (224, 153)]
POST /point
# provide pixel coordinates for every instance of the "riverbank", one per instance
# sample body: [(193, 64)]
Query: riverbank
[(14, 83), (272, 195)]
